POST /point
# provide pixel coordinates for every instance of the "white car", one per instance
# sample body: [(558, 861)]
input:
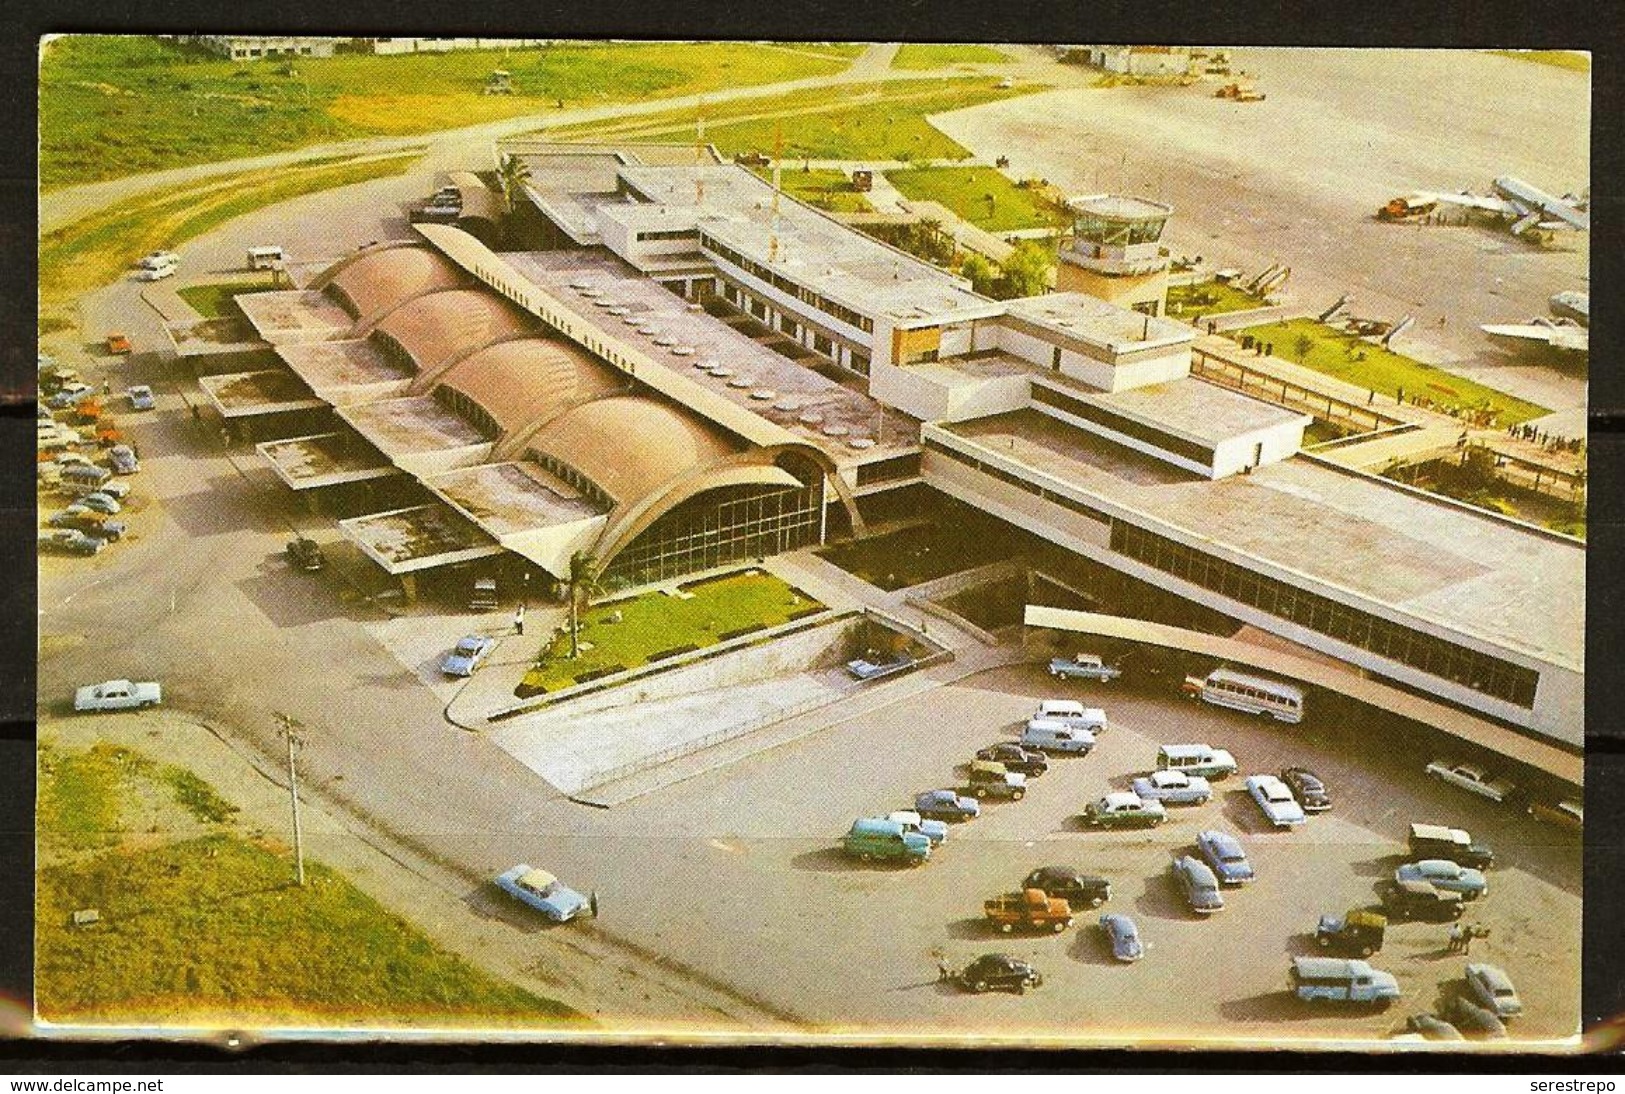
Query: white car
[(1473, 778), (1275, 801), (117, 695), (1173, 788)]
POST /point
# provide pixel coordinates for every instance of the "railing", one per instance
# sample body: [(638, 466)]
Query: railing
[(1232, 374)]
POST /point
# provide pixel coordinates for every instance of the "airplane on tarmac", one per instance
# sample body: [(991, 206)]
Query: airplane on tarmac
[(1560, 339), (1572, 305), (1519, 204)]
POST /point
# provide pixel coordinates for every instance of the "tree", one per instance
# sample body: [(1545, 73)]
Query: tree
[(582, 586), (982, 274), (1301, 345), (1026, 271), (513, 174)]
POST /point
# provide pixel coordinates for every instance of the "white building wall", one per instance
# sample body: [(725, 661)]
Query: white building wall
[(1560, 705), (1173, 365), (1277, 443)]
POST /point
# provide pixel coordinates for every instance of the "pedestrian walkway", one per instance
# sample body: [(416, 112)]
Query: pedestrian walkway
[(839, 589)]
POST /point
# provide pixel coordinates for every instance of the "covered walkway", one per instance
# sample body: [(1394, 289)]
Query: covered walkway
[(1345, 680)]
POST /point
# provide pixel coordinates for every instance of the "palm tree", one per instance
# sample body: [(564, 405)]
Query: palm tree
[(583, 585), (513, 174)]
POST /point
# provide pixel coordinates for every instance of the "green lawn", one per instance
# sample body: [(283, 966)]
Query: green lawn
[(960, 540), (1210, 298), (966, 190), (100, 248), (210, 929), (115, 105), (825, 188), (1337, 354), (854, 122), (920, 55), (215, 301), (655, 625)]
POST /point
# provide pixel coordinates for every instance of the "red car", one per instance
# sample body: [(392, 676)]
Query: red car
[(118, 343)]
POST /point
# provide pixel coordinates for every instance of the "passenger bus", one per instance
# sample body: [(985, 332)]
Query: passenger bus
[(1253, 694)]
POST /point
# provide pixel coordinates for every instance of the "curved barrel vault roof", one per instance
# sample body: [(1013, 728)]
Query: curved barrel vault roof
[(373, 285), (438, 328), (527, 382)]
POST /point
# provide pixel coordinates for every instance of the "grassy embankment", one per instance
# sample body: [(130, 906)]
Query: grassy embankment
[(1210, 298), (215, 301), (200, 924), (981, 195), (116, 105), (850, 122), (925, 55), (1368, 365), (98, 249), (654, 626)]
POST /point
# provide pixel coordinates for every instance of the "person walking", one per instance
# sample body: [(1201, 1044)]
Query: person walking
[(1458, 938), (1467, 936), (944, 973), (519, 620)]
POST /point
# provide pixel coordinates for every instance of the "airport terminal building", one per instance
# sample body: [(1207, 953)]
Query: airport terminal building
[(696, 369)]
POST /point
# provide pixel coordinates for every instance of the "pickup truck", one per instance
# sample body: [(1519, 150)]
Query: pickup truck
[(1029, 909), (117, 695), (1085, 666), (1472, 778)]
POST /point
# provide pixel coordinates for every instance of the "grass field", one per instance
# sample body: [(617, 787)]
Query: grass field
[(825, 188), (966, 190), (655, 624), (1558, 58), (1210, 298), (855, 122), (215, 301), (99, 249), (921, 55), (115, 105), (202, 926), (1335, 354)]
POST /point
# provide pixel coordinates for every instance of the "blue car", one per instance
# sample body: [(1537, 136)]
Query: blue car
[(946, 805), (1123, 935), (467, 655), (140, 397), (1223, 852), (544, 892), (1445, 875), (100, 502)]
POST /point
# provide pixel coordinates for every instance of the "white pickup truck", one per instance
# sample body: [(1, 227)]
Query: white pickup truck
[(117, 695), (1471, 778)]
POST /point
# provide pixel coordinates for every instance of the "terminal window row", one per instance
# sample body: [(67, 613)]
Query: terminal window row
[(779, 281), (1018, 482), (704, 533), (1481, 672)]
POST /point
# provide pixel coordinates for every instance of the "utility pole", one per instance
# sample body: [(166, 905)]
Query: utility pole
[(289, 732)]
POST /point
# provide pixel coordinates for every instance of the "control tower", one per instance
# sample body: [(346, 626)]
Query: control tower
[(1115, 252)]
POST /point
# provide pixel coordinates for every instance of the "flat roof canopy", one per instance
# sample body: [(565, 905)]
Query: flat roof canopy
[(1335, 677), (418, 538), (323, 459), (247, 394)]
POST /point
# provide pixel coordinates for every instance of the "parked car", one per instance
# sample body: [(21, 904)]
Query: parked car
[(71, 541), (1565, 814), (158, 258), (1471, 777), (123, 460), (1083, 666), (1196, 759), (118, 344), (934, 830), (1072, 713), (1030, 909), (1433, 1028), (140, 397), (1437, 841), (1418, 899), (1071, 885), (101, 501), (1123, 936), (70, 395), (544, 892), (1446, 875), (1223, 852), (116, 489), (1026, 761), (1124, 809), (466, 656), (1198, 883), (118, 695), (1275, 801), (998, 972), (1475, 1021), (871, 838), (1357, 931), (1048, 736), (864, 669), (1173, 788), (946, 805), (989, 779), (1490, 986), (96, 527), (1340, 980), (1307, 788), (305, 554)]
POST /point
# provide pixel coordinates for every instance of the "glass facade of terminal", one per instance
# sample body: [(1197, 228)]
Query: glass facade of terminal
[(1483, 673), (807, 296), (717, 528)]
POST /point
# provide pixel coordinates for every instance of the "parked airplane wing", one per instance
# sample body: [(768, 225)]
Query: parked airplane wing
[(1540, 332), (1474, 201)]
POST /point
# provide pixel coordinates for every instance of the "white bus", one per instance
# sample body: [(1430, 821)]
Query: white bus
[(1254, 694)]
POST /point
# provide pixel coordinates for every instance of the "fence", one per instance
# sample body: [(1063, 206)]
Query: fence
[(1543, 478), (1251, 381)]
